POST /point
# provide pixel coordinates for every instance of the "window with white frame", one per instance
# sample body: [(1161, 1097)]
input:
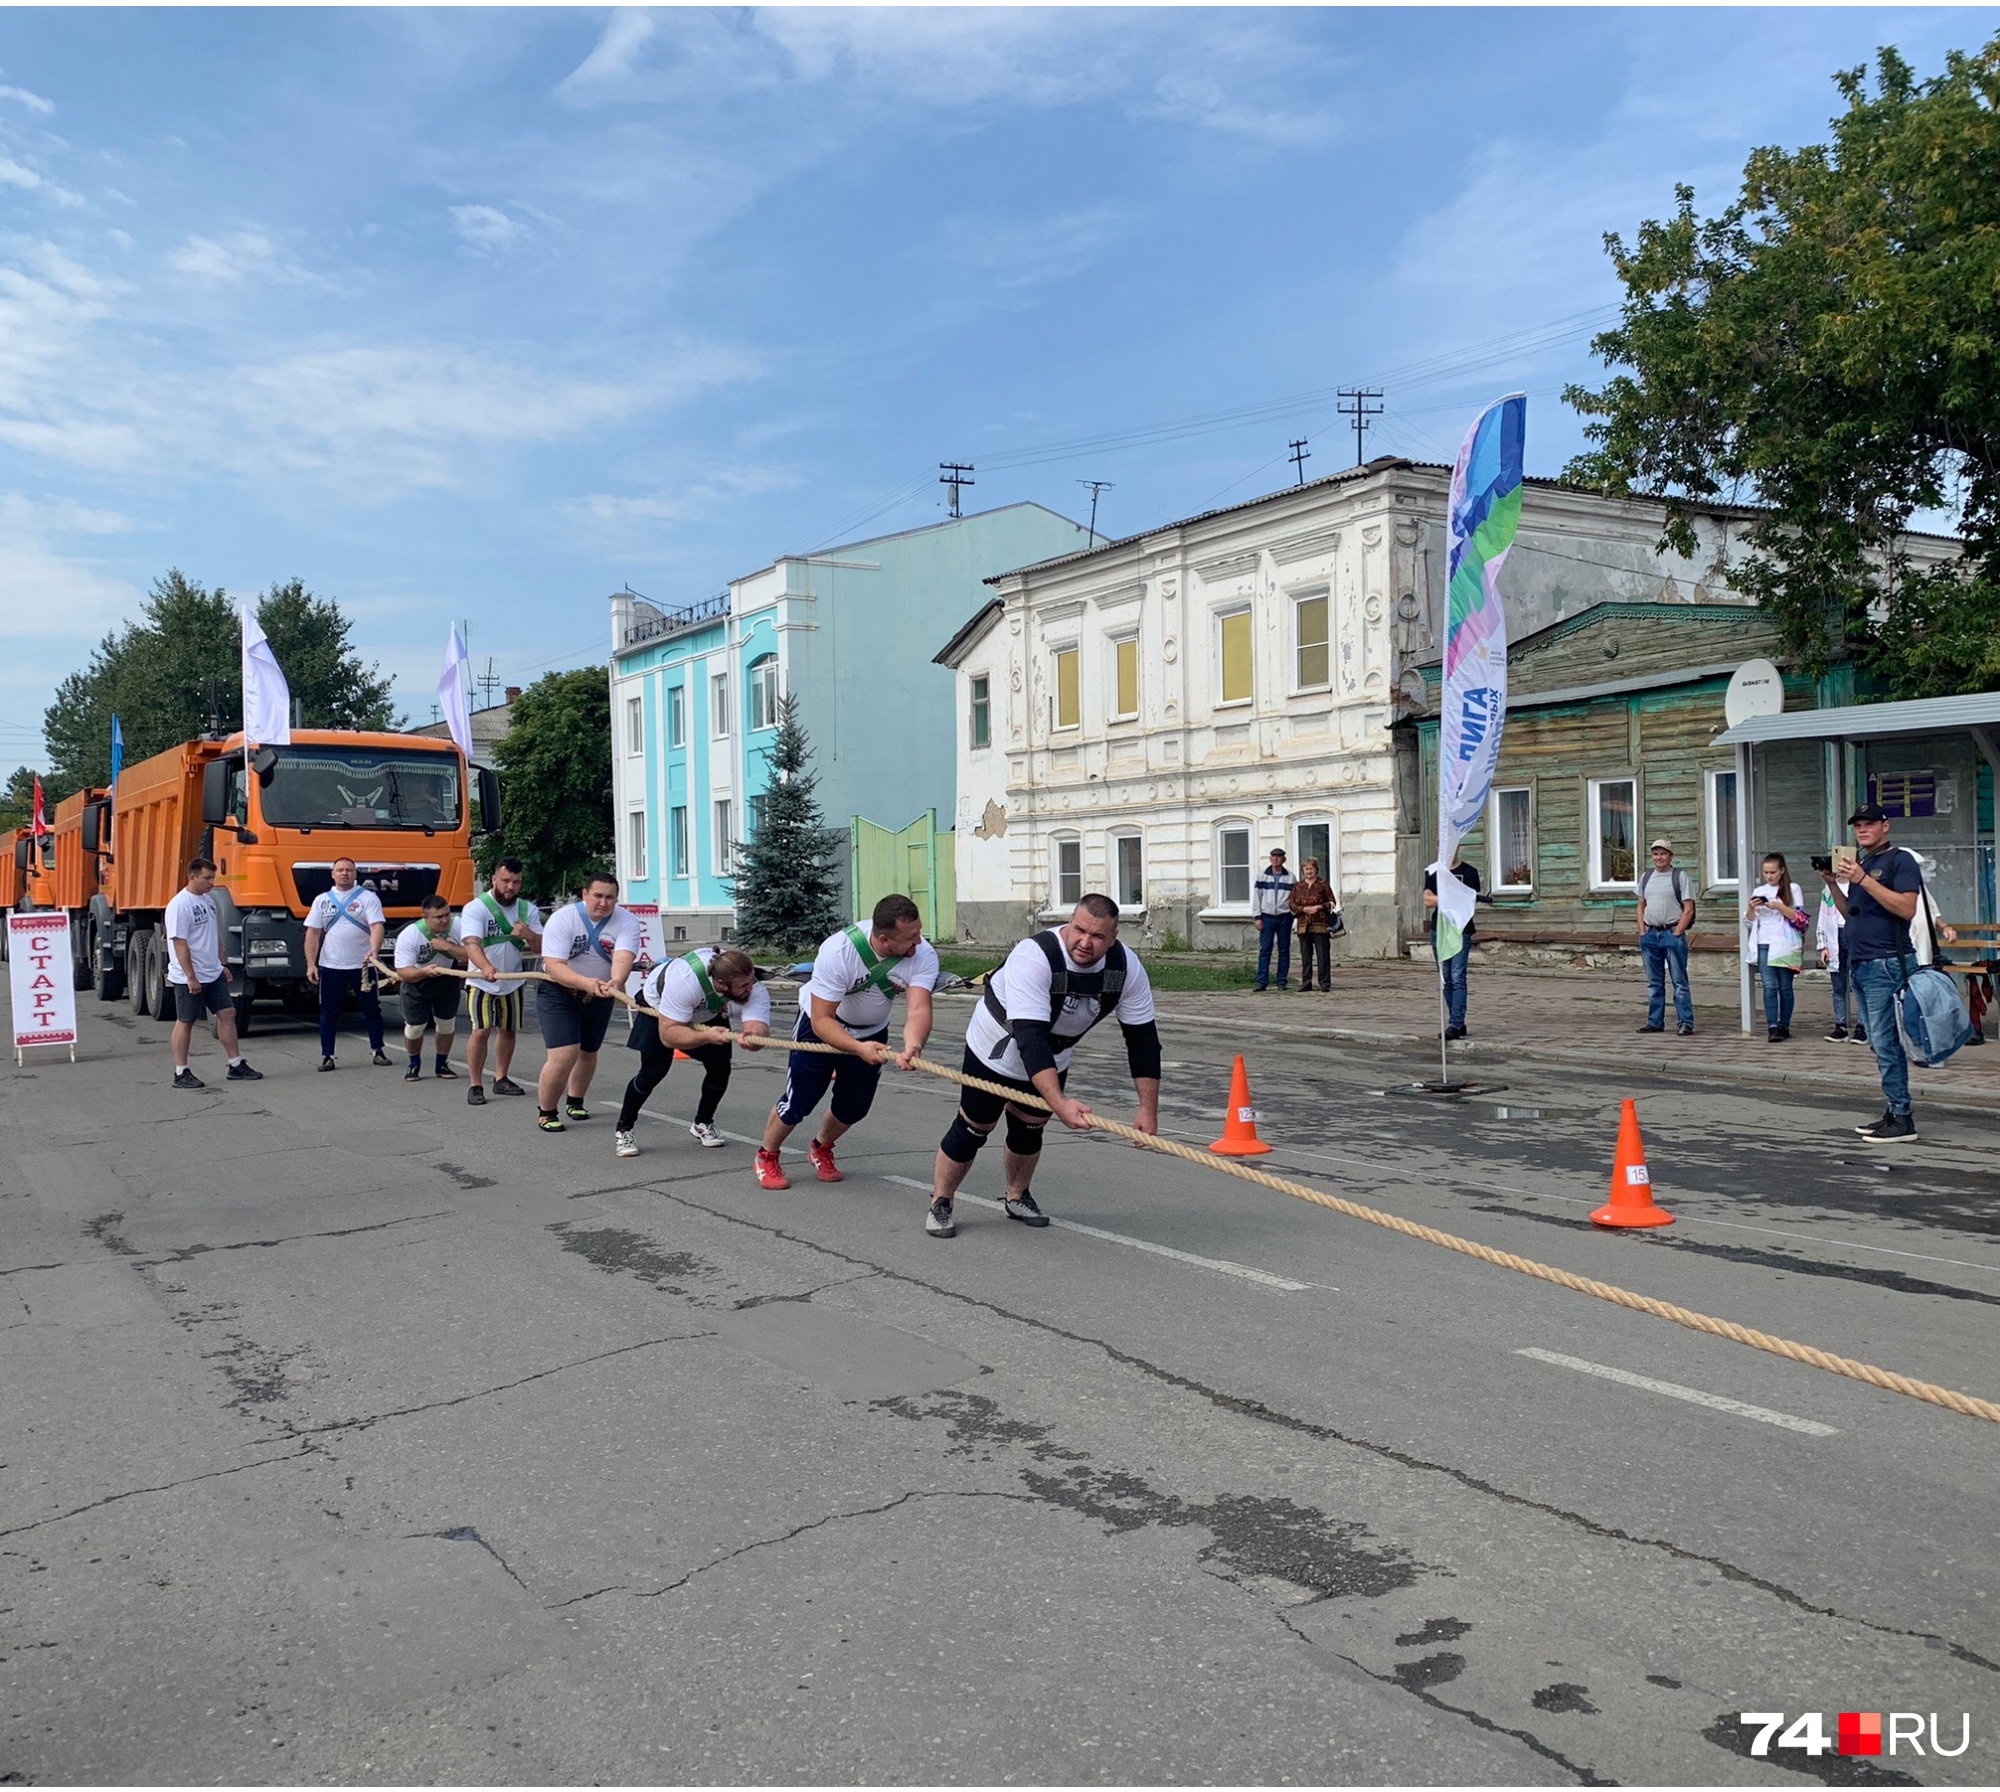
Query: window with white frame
[(981, 722), (718, 705), (1125, 678), (1068, 891), (677, 838), (1312, 668), (635, 843), (1510, 830), (725, 838), (1066, 699), (1232, 657), (1614, 834), (764, 691), (1722, 829), (677, 716), (1314, 840), (1232, 866), (1128, 870), (635, 725), (758, 806)]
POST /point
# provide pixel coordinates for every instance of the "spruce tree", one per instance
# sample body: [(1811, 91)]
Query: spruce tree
[(788, 887)]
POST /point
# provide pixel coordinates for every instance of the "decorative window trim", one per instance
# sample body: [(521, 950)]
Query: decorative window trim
[(1598, 881), (1493, 839)]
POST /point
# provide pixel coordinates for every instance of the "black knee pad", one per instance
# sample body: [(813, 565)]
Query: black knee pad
[(1024, 1137), (961, 1144)]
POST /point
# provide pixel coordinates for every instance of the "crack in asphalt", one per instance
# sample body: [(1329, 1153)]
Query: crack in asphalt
[(798, 1530), (112, 1499), (464, 1533), (264, 1244), (404, 1412), (1256, 1409), (768, 1300)]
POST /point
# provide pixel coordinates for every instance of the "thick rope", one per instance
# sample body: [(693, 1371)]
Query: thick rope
[(1968, 1405)]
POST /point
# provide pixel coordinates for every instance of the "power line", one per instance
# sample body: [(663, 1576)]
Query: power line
[(1300, 455), (954, 476), (1354, 403)]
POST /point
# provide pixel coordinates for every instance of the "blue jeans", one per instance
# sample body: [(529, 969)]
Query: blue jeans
[(1837, 976), (1452, 970), (1666, 953), (1274, 930), (334, 987), (1777, 990), (1875, 983)]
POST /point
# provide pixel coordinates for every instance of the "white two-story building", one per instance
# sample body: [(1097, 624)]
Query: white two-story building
[(1151, 717)]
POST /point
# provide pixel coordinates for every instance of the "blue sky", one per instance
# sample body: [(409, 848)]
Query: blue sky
[(485, 314)]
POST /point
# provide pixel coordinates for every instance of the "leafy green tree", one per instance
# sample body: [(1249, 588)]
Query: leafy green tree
[(1829, 347), (789, 891), (17, 799), (179, 667), (555, 783)]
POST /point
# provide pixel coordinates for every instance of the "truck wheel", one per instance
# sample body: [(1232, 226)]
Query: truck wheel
[(138, 948), (243, 999), (159, 1003), (4, 931), (83, 953), (109, 982)]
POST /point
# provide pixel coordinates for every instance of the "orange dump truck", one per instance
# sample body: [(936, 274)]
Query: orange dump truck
[(396, 804), (24, 876)]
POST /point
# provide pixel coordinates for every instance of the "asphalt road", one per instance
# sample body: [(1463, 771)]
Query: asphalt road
[(352, 1434)]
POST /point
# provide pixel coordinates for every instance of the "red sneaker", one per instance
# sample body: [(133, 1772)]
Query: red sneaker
[(822, 1162), (770, 1172)]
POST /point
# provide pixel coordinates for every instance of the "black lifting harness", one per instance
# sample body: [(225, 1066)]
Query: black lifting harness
[(1107, 985)]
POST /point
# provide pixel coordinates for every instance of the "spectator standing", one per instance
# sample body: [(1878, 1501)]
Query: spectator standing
[(1271, 901), (343, 936), (1877, 890), (195, 974), (1835, 966), (1313, 907), (1776, 933), (1666, 913), (1453, 969)]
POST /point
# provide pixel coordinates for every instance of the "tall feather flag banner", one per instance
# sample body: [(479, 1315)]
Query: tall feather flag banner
[(452, 699), (1485, 511), (267, 699)]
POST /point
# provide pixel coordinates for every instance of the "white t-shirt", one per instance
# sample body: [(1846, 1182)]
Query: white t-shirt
[(1023, 983), (839, 975), (1770, 928), (343, 945), (565, 940), (673, 990), (414, 951), (192, 918), (476, 922)]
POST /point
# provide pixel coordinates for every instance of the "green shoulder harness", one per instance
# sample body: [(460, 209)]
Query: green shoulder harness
[(506, 932), (877, 969), (716, 1002)]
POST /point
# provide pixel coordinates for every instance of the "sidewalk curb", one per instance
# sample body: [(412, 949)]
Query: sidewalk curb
[(1832, 1083)]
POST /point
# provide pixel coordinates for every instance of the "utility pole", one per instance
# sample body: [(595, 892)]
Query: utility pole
[(1096, 486), (489, 682), (1300, 455), (1360, 410), (954, 475)]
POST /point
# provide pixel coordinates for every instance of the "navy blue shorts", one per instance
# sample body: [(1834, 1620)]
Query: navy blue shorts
[(809, 1074), (569, 1017)]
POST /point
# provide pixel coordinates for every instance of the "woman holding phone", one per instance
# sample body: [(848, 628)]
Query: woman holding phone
[(1778, 922)]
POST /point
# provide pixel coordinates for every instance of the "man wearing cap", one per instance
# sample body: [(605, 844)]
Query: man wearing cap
[(1877, 903), (1666, 912), (1271, 902)]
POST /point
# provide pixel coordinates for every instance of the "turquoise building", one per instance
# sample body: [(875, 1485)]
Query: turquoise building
[(850, 634)]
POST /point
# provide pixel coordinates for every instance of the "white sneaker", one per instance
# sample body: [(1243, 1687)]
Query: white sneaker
[(704, 1134), (626, 1144)]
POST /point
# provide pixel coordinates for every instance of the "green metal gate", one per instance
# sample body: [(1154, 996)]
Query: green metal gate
[(918, 861)]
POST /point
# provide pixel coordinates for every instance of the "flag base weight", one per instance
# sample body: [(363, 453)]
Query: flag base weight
[(1449, 1089)]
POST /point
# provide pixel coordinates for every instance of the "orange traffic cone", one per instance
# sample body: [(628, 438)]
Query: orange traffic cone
[(1631, 1202), (681, 1057), (1239, 1131)]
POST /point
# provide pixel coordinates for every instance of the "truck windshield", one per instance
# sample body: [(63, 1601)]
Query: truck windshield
[(361, 787)]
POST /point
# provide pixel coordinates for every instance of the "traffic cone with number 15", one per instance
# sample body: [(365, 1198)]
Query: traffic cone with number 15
[(1631, 1202), (1239, 1131)]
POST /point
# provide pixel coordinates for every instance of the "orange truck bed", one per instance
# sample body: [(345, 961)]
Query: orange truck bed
[(74, 880)]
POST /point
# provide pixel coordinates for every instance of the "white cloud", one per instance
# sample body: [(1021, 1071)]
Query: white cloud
[(12, 174), (33, 101), (614, 54), (485, 226), (1028, 252), (49, 595), (695, 501), (229, 261)]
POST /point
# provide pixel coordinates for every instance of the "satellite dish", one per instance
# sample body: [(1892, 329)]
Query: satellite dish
[(1757, 689)]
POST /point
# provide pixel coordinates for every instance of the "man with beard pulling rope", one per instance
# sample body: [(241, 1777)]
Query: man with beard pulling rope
[(686, 1005), (1037, 1006)]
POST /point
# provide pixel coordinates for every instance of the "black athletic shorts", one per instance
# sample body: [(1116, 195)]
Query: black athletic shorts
[(982, 1109), (569, 1017), (191, 1004), (809, 1074), (430, 999)]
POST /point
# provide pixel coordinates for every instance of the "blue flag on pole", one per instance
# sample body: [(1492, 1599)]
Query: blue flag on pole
[(117, 750)]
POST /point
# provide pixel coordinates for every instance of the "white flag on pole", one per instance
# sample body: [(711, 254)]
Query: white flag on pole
[(452, 693), (267, 699)]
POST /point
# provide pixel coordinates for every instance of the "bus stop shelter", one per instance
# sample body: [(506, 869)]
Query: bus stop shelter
[(1931, 764)]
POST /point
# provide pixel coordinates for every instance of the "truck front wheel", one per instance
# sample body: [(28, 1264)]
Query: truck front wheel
[(138, 948)]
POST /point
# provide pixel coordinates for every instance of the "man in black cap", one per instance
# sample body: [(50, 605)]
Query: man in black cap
[(1271, 902), (1884, 886)]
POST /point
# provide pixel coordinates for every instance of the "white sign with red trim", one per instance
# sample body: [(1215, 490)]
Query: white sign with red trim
[(647, 914), (38, 963)]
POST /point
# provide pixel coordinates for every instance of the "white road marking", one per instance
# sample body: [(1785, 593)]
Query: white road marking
[(1721, 1402), (1141, 1244)]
